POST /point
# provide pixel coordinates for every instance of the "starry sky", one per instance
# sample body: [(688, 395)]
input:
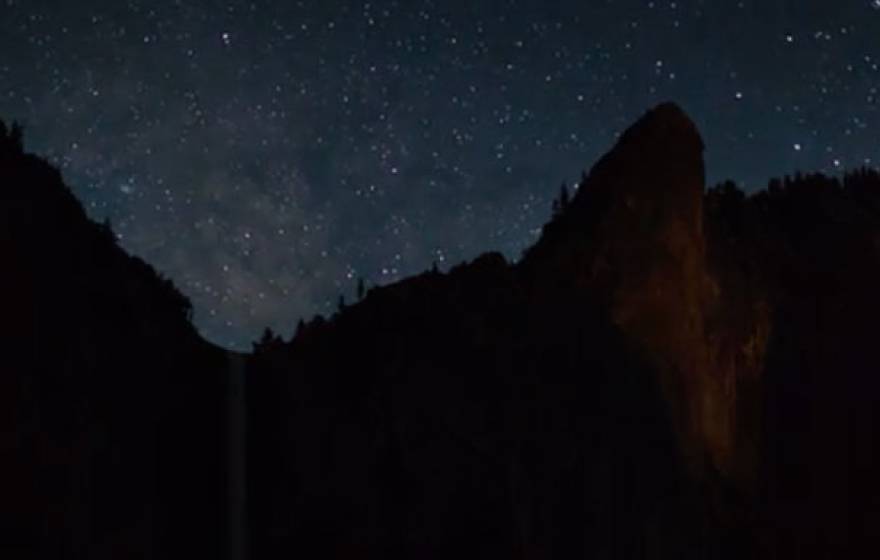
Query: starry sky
[(267, 154)]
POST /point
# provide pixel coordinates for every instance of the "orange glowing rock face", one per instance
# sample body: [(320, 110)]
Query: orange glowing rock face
[(633, 237)]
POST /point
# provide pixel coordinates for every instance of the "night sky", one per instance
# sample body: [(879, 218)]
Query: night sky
[(265, 155)]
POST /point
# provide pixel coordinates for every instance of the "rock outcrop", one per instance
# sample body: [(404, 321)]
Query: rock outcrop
[(633, 239)]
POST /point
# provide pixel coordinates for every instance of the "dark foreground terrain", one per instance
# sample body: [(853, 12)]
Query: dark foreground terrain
[(670, 372)]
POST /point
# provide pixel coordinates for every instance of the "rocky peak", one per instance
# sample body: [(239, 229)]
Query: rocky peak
[(654, 173), (632, 238), (663, 121)]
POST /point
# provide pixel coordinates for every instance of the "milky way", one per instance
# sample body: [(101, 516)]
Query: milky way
[(266, 155)]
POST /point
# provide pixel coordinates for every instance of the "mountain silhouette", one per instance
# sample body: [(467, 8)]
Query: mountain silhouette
[(112, 409), (670, 371)]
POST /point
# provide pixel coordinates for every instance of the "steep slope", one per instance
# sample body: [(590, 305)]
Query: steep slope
[(111, 406), (633, 240)]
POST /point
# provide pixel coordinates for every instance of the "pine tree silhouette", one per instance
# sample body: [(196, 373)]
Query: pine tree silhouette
[(360, 288)]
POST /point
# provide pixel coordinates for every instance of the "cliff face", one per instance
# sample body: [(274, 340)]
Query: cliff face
[(633, 239)]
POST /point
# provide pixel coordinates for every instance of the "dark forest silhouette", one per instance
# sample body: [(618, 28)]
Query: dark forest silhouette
[(112, 413), (669, 372)]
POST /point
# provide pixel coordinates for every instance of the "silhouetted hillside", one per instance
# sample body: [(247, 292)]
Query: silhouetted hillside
[(111, 406), (669, 372)]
